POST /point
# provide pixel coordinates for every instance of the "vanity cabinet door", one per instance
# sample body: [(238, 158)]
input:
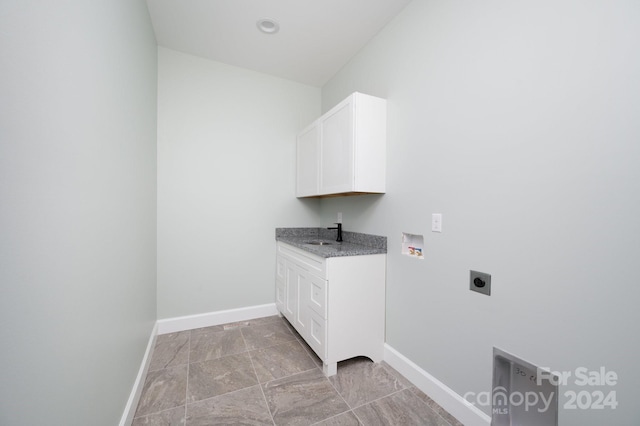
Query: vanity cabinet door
[(298, 288), (303, 287), (281, 276), (290, 292)]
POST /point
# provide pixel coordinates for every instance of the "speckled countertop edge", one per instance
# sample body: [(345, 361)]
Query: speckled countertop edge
[(353, 244)]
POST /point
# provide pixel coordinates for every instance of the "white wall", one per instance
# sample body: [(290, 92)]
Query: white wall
[(226, 175), (77, 208), (518, 121)]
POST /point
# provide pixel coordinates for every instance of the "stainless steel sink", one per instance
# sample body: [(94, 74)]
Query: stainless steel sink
[(318, 243)]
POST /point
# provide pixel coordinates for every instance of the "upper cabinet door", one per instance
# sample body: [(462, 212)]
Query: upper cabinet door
[(349, 143), (336, 150), (307, 162)]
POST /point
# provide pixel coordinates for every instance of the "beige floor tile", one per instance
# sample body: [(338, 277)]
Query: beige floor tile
[(265, 335), (279, 361), (213, 344), (360, 381), (243, 407), (171, 417), (303, 399), (163, 389), (219, 376), (402, 408)]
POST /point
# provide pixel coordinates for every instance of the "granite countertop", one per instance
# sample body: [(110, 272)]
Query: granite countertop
[(353, 243)]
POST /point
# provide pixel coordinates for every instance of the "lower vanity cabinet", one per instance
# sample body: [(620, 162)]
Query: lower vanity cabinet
[(337, 304)]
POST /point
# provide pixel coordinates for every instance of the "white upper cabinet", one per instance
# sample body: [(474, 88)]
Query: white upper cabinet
[(344, 151)]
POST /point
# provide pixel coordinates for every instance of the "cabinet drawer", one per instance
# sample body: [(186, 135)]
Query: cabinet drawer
[(318, 335), (311, 263), (318, 297)]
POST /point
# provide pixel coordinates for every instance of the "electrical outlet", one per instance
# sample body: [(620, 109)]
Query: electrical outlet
[(480, 282), (339, 217)]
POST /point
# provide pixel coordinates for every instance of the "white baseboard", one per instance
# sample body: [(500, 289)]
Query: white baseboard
[(457, 406), (134, 397), (172, 325)]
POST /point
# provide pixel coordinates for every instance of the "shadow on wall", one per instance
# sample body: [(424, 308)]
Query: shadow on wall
[(357, 211)]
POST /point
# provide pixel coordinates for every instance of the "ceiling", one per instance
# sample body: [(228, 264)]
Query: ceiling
[(316, 37)]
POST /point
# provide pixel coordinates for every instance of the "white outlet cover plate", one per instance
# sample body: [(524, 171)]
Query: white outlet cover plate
[(436, 222)]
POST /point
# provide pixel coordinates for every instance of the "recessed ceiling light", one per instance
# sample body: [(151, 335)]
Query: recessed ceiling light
[(268, 25)]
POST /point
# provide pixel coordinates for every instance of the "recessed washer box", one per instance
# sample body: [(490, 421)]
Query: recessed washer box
[(520, 396)]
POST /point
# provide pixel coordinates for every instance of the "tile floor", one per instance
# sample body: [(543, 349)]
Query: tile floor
[(261, 372)]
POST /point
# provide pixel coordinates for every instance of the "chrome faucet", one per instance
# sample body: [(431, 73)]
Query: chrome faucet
[(339, 228)]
